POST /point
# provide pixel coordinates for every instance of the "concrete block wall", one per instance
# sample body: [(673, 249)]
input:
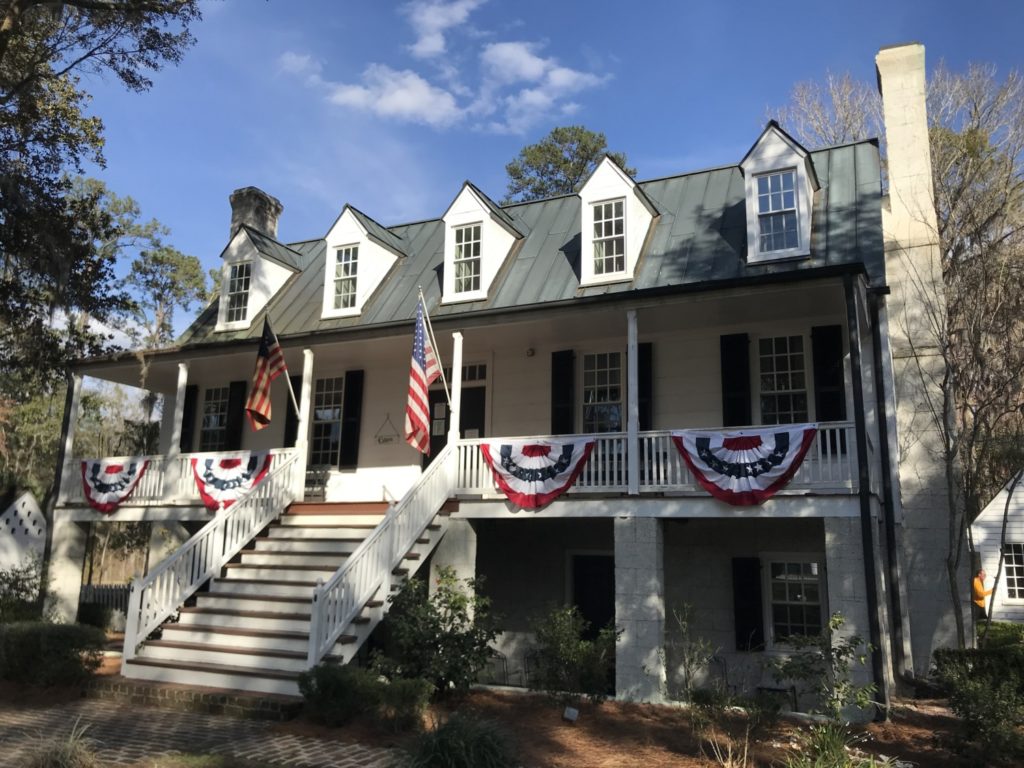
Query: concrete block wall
[(639, 609)]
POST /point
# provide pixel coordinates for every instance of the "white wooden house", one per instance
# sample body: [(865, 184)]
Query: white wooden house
[(1006, 510), (750, 295)]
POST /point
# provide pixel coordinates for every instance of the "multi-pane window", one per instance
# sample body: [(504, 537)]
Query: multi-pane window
[(796, 596), (238, 291), (783, 380), (326, 442), (602, 392), (609, 237), (467, 258), (346, 266), (776, 209), (213, 432), (1013, 562)]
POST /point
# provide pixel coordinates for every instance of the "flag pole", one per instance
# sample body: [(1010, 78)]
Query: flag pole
[(433, 343), (287, 377)]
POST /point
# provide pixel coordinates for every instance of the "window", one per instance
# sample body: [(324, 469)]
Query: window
[(1014, 563), (346, 266), (609, 237), (602, 392), (795, 589), (467, 258), (326, 442), (783, 380), (213, 434), (238, 291), (776, 212)]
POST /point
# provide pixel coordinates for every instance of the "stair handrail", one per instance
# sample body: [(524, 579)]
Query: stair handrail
[(336, 602), (176, 578)]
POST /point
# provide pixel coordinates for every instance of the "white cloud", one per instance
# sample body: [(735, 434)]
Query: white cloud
[(400, 94), (292, 63), (431, 19), (513, 62)]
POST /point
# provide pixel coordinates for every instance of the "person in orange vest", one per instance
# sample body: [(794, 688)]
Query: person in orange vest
[(980, 593)]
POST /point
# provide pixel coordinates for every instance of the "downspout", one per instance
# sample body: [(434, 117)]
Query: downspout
[(864, 494), (888, 497)]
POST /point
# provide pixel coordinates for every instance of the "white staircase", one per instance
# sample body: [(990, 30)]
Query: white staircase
[(250, 629)]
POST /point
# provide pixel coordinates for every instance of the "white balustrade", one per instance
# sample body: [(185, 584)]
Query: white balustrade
[(170, 583)]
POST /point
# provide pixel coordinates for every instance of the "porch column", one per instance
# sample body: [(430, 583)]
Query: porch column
[(76, 402), (302, 427), (639, 609), (172, 473), (632, 406), (64, 554), (454, 431)]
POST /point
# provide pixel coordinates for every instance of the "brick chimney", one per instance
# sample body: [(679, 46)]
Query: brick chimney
[(255, 208)]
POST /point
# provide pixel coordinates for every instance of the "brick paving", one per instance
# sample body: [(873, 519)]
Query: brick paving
[(124, 735)]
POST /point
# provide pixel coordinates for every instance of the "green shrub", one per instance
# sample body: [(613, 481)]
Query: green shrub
[(336, 693), (951, 665), (443, 638), (47, 654), (565, 663), (463, 742), (1001, 634), (403, 702), (19, 591), (95, 614), (830, 745)]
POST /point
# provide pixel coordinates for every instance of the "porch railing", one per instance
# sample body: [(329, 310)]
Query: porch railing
[(174, 580), (830, 465), (167, 480), (338, 601)]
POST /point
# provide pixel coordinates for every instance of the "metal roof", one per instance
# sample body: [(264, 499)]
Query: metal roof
[(698, 241), (274, 250)]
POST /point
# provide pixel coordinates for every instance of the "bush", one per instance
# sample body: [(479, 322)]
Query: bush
[(1001, 634), (19, 591), (95, 615), (336, 693), (567, 664), (443, 638), (46, 654), (463, 742), (953, 665), (404, 702)]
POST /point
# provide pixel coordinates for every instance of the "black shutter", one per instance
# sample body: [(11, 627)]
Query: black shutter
[(735, 356), (829, 385), (746, 603), (291, 418), (645, 384), (351, 419), (236, 409), (188, 418), (563, 392)]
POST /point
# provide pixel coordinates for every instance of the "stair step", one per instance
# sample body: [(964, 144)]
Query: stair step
[(213, 675), (332, 560), (338, 508), (247, 614), (337, 521), (235, 584), (289, 573)]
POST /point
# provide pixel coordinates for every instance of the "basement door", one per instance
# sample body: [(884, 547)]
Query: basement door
[(593, 590), (471, 422)]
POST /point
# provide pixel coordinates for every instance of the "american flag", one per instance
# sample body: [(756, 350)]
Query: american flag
[(269, 365), (424, 370)]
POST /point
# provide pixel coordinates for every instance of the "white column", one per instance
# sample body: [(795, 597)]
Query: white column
[(302, 428), (454, 433), (632, 405), (172, 471), (639, 609)]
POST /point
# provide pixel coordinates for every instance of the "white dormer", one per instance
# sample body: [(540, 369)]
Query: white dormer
[(478, 236), (254, 268), (616, 217), (779, 182), (359, 254)]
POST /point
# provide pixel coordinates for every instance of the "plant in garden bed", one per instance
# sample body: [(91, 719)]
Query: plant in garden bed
[(20, 586), (45, 654), (567, 665), (71, 751), (690, 653), (336, 694), (463, 742)]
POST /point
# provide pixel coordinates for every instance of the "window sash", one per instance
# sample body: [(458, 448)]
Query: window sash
[(783, 380), (467, 258), (238, 291), (796, 598), (213, 432), (1013, 563), (325, 445), (346, 268), (602, 392), (609, 237), (777, 215)]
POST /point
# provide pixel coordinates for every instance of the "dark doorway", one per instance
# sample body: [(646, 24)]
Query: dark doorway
[(471, 423), (593, 590)]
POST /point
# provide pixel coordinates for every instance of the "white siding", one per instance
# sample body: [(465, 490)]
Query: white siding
[(987, 530)]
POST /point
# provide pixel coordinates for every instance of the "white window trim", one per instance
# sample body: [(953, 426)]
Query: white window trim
[(355, 309), (767, 558), (618, 275), (755, 366), (313, 420), (1004, 586), (479, 293), (233, 325), (623, 381), (780, 253)]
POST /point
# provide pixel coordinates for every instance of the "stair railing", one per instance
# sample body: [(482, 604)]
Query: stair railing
[(175, 579), (338, 601)]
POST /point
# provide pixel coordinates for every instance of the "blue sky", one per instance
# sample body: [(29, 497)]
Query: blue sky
[(390, 106)]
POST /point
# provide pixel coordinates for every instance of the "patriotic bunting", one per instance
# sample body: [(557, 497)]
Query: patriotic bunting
[(747, 467), (534, 473), (108, 483), (221, 481)]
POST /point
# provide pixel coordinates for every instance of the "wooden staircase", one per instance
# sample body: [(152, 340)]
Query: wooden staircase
[(250, 630)]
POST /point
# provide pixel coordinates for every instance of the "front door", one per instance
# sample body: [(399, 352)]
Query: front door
[(593, 590), (471, 422)]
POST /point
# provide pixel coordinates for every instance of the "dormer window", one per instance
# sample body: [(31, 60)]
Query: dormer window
[(238, 291), (609, 237), (346, 269), (467, 258), (776, 211)]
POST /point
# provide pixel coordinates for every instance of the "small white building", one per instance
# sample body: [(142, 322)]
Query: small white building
[(1007, 602)]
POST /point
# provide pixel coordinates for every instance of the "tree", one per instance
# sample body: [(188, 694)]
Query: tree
[(975, 396), (558, 164)]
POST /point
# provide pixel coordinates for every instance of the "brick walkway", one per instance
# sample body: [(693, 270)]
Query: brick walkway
[(124, 735)]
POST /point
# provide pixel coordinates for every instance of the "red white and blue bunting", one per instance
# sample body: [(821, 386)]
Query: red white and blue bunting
[(221, 481), (108, 483), (746, 467), (535, 472)]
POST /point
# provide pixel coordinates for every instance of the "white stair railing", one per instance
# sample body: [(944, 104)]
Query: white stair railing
[(174, 580), (338, 601)]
